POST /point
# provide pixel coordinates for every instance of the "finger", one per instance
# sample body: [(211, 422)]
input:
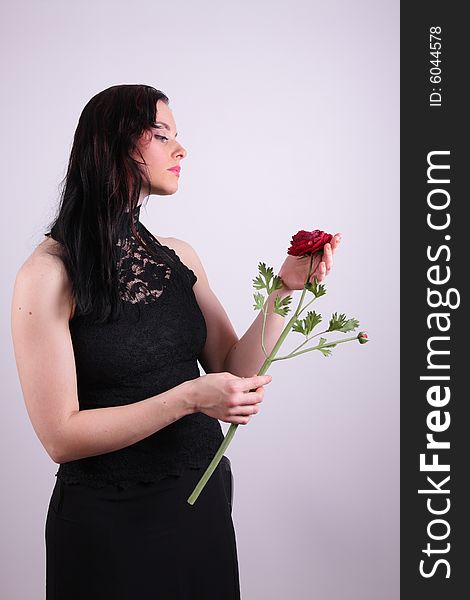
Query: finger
[(328, 257), (244, 409), (321, 271), (252, 383), (250, 398), (336, 239), (257, 380)]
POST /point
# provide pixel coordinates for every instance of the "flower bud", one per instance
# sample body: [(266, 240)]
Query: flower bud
[(362, 337)]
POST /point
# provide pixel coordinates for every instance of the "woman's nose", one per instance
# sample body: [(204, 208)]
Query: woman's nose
[(181, 151)]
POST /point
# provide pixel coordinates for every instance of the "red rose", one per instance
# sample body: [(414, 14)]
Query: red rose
[(304, 243)]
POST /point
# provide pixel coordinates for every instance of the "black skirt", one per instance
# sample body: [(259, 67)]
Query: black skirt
[(144, 542)]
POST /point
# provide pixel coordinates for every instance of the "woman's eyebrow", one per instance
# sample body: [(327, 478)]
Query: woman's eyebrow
[(165, 125)]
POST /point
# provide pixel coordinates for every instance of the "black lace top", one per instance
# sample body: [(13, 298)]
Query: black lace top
[(153, 347)]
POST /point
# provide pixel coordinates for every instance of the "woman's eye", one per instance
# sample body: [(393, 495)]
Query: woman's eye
[(162, 137)]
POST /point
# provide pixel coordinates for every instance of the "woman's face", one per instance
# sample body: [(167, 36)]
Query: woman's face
[(161, 151)]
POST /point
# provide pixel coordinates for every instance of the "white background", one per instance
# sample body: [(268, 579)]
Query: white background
[(290, 116)]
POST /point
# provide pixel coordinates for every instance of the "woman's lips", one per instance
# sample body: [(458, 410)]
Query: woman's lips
[(175, 170)]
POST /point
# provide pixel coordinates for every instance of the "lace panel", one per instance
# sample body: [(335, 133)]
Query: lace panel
[(142, 277), (140, 282)]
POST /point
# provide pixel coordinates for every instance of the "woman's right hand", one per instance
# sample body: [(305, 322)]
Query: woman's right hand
[(228, 397)]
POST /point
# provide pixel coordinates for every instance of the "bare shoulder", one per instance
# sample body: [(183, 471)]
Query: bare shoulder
[(181, 247), (43, 269), (45, 258), (188, 256)]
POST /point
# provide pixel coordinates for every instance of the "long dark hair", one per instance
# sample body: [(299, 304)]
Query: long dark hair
[(100, 193)]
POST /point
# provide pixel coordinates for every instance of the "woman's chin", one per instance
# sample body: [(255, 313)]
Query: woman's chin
[(166, 191)]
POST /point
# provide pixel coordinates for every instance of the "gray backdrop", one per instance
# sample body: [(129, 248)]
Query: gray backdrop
[(290, 116)]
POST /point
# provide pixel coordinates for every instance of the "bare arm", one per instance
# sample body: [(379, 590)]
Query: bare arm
[(293, 272), (223, 351), (101, 430), (246, 355), (45, 361)]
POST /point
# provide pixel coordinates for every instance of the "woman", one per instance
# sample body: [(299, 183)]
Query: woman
[(108, 323)]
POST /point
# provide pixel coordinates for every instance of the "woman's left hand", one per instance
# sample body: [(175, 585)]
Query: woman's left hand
[(294, 270)]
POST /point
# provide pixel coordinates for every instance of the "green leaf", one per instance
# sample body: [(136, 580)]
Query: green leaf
[(340, 323), (259, 301), (298, 326), (305, 326), (350, 325), (281, 305), (312, 320), (324, 351), (258, 283), (262, 281), (318, 289), (266, 280), (267, 272), (277, 284), (336, 321)]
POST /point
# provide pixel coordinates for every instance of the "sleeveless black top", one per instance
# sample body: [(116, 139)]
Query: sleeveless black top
[(152, 348)]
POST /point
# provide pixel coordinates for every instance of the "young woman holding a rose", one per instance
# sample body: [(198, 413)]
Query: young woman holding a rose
[(108, 323)]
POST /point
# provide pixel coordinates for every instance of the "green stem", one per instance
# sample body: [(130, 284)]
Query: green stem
[(292, 320), (265, 312), (307, 340), (334, 343), (233, 427), (213, 464), (307, 305)]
